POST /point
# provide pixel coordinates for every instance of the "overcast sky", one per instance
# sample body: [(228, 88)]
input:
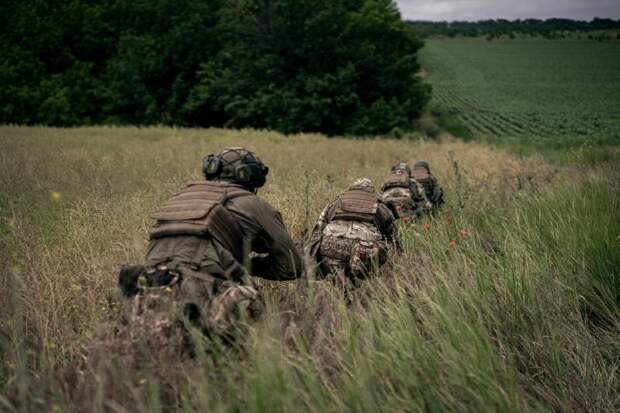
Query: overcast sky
[(508, 9)]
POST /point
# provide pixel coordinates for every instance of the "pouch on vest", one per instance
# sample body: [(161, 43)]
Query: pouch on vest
[(366, 255)]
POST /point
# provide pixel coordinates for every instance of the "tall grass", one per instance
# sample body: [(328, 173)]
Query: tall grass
[(507, 300)]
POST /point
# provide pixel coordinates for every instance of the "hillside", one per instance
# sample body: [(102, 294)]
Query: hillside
[(563, 93), (507, 300)]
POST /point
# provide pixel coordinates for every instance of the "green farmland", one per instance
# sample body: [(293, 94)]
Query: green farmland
[(531, 89)]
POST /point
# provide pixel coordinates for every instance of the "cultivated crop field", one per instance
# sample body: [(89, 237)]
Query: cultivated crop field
[(564, 90), (508, 300)]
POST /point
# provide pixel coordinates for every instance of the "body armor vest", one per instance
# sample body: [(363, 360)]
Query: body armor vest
[(199, 210), (423, 177), (396, 180), (356, 205)]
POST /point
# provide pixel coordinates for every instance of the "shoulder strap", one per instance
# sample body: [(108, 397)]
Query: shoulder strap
[(196, 200)]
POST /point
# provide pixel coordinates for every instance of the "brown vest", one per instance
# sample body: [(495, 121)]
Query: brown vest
[(356, 205), (199, 210), (424, 178), (396, 180), (421, 175)]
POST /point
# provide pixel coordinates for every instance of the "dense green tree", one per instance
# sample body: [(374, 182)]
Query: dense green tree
[(335, 66), (52, 52), (161, 45)]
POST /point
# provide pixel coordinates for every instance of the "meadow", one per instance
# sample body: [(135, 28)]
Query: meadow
[(508, 300), (560, 93)]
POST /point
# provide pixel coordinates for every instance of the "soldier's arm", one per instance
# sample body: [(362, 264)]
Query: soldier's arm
[(437, 192), (388, 226), (421, 200), (317, 232), (267, 234)]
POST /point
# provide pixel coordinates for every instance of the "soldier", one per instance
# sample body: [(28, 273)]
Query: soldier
[(205, 241), (403, 194), (421, 172), (353, 234)]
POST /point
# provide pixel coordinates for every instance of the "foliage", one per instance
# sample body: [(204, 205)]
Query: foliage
[(549, 28), (333, 66), (507, 300), (337, 67)]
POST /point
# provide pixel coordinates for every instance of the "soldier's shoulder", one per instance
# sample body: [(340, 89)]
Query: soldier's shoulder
[(251, 203)]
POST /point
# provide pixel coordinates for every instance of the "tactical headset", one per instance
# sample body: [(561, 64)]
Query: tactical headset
[(250, 173)]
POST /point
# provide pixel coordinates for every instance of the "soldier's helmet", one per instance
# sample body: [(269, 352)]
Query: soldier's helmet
[(422, 164), (401, 166), (237, 165), (363, 184)]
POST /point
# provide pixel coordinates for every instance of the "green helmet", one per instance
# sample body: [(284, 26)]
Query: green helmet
[(237, 165), (422, 164)]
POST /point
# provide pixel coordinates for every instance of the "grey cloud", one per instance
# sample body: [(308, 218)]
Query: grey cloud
[(508, 9)]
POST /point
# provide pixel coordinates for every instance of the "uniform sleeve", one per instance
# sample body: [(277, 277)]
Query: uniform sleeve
[(419, 197), (317, 232), (388, 225), (437, 197), (267, 235)]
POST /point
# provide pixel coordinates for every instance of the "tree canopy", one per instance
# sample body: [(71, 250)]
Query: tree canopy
[(549, 28), (332, 66)]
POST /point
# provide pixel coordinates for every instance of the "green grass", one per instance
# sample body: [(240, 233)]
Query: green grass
[(529, 93), (508, 300)]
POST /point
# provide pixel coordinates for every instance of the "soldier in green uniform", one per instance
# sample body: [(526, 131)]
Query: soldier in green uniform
[(353, 234), (206, 241)]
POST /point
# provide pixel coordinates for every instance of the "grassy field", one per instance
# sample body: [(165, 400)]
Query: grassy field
[(508, 300), (558, 93)]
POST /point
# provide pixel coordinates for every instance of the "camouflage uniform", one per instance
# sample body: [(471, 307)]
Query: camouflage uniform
[(403, 194), (421, 172), (209, 237), (353, 233)]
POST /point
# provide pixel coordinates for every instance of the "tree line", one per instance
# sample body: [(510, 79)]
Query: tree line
[(332, 66), (549, 28)]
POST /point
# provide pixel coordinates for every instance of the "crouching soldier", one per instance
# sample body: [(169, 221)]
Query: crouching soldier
[(353, 234), (205, 242), (404, 195), (421, 172)]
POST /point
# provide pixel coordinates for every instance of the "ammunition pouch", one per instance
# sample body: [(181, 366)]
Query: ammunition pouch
[(366, 255), (337, 248)]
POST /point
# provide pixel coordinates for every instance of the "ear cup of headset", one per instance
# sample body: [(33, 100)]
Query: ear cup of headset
[(211, 166), (244, 173), (252, 174)]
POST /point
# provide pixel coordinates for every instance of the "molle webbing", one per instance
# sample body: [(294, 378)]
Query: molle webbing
[(199, 209), (396, 180), (421, 175), (356, 205)]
